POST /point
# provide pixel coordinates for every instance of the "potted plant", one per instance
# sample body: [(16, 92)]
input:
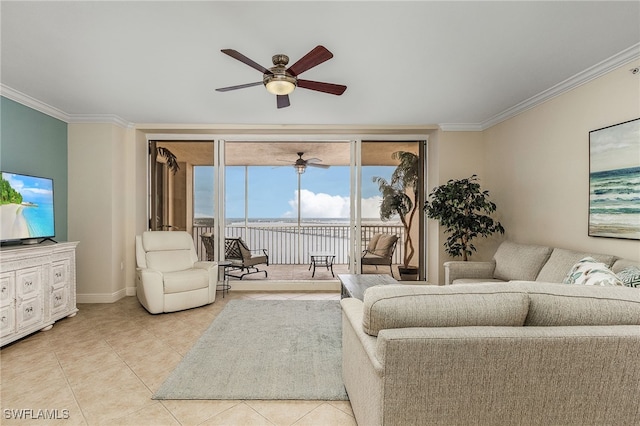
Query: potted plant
[(399, 196), (463, 209)]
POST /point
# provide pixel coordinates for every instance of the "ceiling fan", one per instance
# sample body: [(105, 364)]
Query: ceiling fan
[(301, 164), (281, 81)]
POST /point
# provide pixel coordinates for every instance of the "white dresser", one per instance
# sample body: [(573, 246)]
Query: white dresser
[(37, 287)]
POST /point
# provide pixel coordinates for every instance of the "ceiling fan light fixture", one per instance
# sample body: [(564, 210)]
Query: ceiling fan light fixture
[(279, 85), (300, 168)]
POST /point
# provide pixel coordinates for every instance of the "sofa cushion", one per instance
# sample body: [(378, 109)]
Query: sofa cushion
[(589, 272), (519, 261), (553, 304), (630, 276), (476, 281), (562, 260), (402, 306), (621, 264)]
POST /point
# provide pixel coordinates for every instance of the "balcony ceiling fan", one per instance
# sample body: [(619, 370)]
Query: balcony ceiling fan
[(301, 164), (281, 81)]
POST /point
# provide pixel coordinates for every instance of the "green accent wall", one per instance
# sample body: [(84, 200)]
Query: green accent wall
[(35, 144)]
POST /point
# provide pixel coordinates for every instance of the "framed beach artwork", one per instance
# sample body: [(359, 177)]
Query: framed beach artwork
[(614, 181)]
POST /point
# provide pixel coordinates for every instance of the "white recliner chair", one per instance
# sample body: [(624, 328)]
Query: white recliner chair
[(169, 276)]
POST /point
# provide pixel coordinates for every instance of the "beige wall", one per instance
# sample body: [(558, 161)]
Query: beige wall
[(537, 164), (453, 155), (98, 206)]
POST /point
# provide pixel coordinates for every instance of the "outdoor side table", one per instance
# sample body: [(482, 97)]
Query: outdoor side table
[(225, 286), (322, 258)]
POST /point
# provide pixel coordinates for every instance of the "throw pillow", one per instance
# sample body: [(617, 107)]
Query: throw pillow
[(385, 244), (630, 276), (371, 247), (589, 272)]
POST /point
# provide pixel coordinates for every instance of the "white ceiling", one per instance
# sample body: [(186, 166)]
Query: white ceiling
[(405, 63)]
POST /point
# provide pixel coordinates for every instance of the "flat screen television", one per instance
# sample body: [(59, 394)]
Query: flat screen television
[(26, 208)]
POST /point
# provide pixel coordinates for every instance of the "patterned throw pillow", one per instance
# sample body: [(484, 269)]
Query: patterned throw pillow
[(589, 272), (630, 276)]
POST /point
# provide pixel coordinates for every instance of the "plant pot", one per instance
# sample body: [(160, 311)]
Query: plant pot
[(408, 273)]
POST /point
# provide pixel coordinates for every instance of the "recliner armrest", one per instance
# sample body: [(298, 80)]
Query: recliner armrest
[(205, 264), (454, 270)]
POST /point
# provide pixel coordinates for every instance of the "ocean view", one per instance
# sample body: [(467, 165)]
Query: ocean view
[(614, 203), (39, 219), (288, 244)]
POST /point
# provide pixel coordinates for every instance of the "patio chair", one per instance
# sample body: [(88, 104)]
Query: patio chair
[(242, 260), (207, 240), (379, 251)]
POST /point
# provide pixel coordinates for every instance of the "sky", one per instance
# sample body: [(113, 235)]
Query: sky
[(273, 192), (33, 189), (615, 147)]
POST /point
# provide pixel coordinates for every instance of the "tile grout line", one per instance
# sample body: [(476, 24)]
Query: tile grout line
[(73, 392)]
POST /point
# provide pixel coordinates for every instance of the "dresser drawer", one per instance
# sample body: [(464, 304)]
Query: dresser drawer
[(60, 273), (7, 320), (28, 282), (7, 288), (59, 300), (29, 312)]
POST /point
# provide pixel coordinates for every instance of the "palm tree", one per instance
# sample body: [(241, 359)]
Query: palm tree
[(400, 195), (172, 161)]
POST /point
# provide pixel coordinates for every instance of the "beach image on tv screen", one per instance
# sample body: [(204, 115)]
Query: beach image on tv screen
[(26, 207)]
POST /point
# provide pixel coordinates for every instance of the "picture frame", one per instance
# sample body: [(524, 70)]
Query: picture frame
[(614, 181)]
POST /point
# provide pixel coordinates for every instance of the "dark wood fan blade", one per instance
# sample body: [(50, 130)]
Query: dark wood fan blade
[(240, 86), (334, 89), (316, 56), (283, 101), (240, 57)]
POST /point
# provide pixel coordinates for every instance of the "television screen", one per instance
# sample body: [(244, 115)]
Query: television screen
[(26, 207)]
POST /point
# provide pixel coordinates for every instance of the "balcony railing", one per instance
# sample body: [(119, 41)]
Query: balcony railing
[(291, 245)]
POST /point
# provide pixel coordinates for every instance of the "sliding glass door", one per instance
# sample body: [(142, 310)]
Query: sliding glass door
[(291, 198)]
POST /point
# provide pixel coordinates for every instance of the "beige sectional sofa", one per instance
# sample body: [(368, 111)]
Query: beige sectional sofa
[(527, 262), (512, 353)]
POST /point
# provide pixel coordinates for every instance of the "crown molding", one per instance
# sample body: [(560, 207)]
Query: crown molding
[(33, 103), (601, 68), (100, 118), (54, 112), (460, 127)]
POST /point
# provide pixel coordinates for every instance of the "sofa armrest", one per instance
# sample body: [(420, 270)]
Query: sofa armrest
[(455, 270), (352, 313), (361, 370)]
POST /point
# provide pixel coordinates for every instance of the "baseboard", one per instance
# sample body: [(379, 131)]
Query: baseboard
[(101, 297), (256, 285)]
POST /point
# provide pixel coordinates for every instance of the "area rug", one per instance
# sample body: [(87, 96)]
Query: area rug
[(264, 349)]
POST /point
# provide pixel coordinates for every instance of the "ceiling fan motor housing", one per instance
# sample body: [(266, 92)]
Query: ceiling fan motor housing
[(279, 81)]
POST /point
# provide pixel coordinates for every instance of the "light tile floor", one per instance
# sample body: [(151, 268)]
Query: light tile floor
[(103, 366)]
